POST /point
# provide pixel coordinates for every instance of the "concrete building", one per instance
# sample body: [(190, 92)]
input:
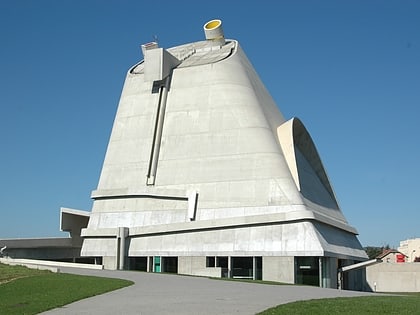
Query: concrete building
[(65, 249), (204, 176), (392, 256), (410, 248)]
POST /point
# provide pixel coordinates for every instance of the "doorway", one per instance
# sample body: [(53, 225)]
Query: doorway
[(307, 270)]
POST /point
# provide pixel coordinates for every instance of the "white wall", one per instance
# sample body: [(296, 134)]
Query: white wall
[(281, 269), (196, 266), (394, 277)]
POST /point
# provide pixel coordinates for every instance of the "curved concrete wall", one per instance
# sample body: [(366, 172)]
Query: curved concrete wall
[(195, 166)]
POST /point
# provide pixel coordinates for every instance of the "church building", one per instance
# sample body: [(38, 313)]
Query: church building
[(204, 176)]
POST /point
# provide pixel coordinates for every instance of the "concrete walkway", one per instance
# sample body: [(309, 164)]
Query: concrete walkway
[(155, 293)]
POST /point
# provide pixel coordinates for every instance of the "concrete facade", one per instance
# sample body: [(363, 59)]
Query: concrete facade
[(65, 248), (275, 268), (204, 176), (52, 248), (393, 277)]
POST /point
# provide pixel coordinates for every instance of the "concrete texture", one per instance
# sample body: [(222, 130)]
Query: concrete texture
[(41, 248), (43, 264), (173, 294), (202, 162), (394, 277)]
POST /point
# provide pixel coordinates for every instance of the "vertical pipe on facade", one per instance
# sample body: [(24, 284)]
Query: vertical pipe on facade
[(320, 272), (117, 251), (157, 137), (121, 236)]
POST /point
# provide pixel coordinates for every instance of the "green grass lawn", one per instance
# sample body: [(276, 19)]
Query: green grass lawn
[(399, 303), (380, 304), (28, 291)]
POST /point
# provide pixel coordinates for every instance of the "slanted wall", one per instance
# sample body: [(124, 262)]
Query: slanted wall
[(194, 166)]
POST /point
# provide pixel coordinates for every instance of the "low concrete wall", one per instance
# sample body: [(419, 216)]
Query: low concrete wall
[(215, 272), (195, 266), (12, 262), (394, 277), (46, 264)]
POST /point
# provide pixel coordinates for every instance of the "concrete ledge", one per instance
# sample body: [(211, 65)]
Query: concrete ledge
[(151, 192), (57, 242), (273, 218), (47, 264), (12, 262), (192, 226), (214, 272), (104, 232)]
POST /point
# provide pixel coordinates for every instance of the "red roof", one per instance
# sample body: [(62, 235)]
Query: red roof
[(389, 251)]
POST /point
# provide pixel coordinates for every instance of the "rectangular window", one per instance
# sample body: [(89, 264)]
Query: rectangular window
[(222, 262), (210, 261)]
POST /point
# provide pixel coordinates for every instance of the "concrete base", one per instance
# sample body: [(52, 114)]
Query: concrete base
[(53, 266), (279, 269)]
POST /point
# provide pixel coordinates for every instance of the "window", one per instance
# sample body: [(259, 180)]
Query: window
[(222, 262), (210, 261)]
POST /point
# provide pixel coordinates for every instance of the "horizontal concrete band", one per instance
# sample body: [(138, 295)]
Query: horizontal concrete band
[(150, 192), (31, 263), (278, 218)]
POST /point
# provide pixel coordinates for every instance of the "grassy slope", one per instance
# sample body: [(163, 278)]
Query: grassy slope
[(409, 304), (26, 291)]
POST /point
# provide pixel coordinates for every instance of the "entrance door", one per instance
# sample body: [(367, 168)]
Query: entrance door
[(307, 270), (156, 264)]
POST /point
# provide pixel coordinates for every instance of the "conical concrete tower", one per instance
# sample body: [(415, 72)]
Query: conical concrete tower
[(203, 175)]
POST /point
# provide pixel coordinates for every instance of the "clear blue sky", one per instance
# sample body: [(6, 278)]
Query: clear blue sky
[(349, 69)]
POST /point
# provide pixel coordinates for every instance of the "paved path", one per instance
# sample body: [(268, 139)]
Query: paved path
[(155, 293)]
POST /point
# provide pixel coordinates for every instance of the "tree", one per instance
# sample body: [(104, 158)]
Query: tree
[(375, 251)]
